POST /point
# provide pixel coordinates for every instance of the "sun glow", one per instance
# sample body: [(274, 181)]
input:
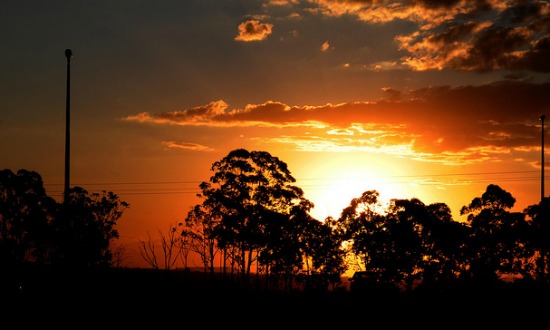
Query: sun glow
[(331, 183), (332, 195)]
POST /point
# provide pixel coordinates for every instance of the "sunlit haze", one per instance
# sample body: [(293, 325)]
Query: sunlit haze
[(414, 99)]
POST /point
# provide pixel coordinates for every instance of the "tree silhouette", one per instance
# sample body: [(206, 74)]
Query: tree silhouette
[(498, 244), (87, 228), (400, 258), (26, 216), (34, 228), (443, 241), (322, 252), (174, 247), (252, 195), (540, 236), (361, 226), (198, 231)]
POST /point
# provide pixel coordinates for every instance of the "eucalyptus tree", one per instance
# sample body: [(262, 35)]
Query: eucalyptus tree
[(363, 231), (305, 249), (444, 241), (404, 242), (499, 243), (26, 215), (540, 236), (86, 231), (198, 233), (323, 252), (400, 257), (252, 192), (35, 228), (428, 242), (281, 257), (386, 243)]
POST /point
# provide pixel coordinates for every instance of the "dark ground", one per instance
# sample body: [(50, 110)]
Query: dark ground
[(148, 298)]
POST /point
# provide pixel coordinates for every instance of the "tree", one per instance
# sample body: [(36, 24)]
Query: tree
[(34, 228), (429, 242), (407, 243), (174, 246), (540, 236), (26, 214), (86, 228), (443, 240), (498, 244), (400, 258), (322, 252), (250, 192), (198, 232), (358, 227)]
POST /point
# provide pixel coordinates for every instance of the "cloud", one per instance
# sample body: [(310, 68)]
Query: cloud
[(200, 115), (185, 146), (253, 30), (281, 2), (440, 123), (462, 35)]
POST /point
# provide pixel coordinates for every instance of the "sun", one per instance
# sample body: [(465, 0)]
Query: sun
[(335, 194), (333, 182)]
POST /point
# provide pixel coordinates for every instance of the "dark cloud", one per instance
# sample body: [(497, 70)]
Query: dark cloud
[(464, 35)]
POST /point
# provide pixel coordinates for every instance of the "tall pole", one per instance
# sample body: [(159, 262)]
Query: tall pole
[(542, 117), (68, 55), (543, 222)]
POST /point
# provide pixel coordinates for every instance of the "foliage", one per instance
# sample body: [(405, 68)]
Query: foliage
[(26, 216), (198, 232), (34, 228), (539, 235), (254, 214), (499, 242)]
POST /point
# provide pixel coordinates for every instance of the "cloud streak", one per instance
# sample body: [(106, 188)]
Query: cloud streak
[(185, 146)]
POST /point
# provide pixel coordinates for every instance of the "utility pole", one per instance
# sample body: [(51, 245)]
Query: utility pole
[(542, 117), (68, 55), (542, 223)]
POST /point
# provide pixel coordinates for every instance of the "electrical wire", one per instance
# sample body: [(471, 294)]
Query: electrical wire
[(317, 183)]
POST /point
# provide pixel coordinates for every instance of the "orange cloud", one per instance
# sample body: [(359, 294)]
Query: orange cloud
[(253, 30), (440, 124), (201, 115)]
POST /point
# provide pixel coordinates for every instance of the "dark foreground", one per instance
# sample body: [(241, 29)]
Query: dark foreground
[(147, 298)]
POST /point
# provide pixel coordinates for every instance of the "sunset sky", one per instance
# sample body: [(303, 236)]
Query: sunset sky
[(423, 99)]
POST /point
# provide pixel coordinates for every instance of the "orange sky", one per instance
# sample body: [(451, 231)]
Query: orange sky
[(417, 99)]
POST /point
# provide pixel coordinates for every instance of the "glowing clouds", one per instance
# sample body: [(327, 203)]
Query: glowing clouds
[(461, 125), (200, 115), (461, 35), (253, 30)]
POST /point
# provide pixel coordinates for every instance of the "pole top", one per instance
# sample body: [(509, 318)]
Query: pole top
[(68, 53), (542, 117)]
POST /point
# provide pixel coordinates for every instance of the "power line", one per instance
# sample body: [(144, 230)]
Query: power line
[(128, 183), (320, 182)]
